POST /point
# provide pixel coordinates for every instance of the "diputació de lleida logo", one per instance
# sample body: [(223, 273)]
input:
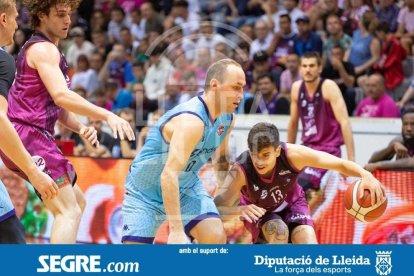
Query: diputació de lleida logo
[(383, 262)]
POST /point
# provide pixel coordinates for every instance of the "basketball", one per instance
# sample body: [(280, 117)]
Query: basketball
[(360, 208)]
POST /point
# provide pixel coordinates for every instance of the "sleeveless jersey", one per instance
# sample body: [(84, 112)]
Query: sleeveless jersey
[(29, 101), (319, 126), (149, 163), (268, 193)]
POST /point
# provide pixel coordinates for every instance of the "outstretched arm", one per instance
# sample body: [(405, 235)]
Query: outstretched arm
[(45, 58), (183, 132), (301, 156)]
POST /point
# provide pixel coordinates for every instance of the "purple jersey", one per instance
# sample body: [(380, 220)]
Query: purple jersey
[(268, 193), (29, 101), (319, 125)]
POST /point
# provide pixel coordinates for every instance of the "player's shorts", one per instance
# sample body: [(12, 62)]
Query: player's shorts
[(294, 211), (6, 205), (12, 231), (41, 146), (143, 214), (310, 178)]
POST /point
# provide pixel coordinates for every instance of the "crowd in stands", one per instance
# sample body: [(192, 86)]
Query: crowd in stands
[(141, 58)]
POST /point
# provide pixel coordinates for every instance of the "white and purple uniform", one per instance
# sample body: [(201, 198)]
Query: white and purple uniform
[(280, 195)]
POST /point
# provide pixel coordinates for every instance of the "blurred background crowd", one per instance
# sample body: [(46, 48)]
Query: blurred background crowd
[(141, 58)]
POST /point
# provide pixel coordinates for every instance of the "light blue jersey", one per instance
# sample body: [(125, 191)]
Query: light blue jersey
[(143, 202), (6, 206)]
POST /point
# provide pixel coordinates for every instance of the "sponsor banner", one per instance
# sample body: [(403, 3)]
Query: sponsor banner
[(206, 260)]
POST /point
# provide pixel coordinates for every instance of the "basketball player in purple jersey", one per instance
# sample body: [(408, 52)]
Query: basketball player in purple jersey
[(325, 123), (272, 204), (39, 97), (11, 229)]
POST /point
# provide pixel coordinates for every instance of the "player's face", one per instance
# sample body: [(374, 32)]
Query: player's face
[(265, 160), (230, 92), (408, 126), (310, 69), (58, 21), (11, 24)]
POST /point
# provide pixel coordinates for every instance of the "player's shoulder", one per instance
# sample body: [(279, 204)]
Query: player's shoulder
[(43, 49)]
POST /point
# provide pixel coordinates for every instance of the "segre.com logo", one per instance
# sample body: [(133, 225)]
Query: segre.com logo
[(82, 263)]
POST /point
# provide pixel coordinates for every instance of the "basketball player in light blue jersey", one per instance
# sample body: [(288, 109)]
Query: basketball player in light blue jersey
[(163, 184)]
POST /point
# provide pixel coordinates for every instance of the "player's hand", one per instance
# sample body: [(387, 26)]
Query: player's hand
[(369, 182), (177, 237), (251, 212), (45, 186), (120, 127), (371, 167), (90, 134), (400, 150)]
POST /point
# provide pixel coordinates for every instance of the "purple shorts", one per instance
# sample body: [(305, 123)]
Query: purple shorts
[(310, 178), (295, 212), (41, 146)]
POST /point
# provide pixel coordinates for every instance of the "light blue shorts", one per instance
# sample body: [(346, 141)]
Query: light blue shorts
[(142, 215), (6, 206)]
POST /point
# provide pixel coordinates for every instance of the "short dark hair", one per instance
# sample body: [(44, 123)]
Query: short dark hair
[(263, 76), (383, 26), (180, 3), (407, 110), (218, 69), (312, 54), (286, 15), (263, 135)]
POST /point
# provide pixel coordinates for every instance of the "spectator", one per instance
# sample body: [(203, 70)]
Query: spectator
[(78, 47), (138, 71), (117, 66), (291, 9), (152, 20), (271, 16), (64, 135), (207, 37), (336, 35), (343, 74), (391, 57), (128, 41), (377, 104), (261, 65), (290, 75), (307, 40), (267, 99), (99, 40), (189, 21), (99, 21), (365, 48), (115, 24), (85, 77), (322, 11), (405, 30), (137, 25), (142, 105), (402, 148), (178, 41), (282, 43), (263, 38), (172, 96), (102, 99), (201, 63), (388, 11), (120, 97), (157, 74), (355, 13), (408, 96)]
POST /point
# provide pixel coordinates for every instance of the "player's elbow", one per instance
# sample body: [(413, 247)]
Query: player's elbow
[(167, 177), (60, 98)]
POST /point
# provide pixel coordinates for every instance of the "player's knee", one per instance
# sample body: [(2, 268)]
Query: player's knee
[(72, 214), (275, 231), (304, 234), (215, 235), (81, 202)]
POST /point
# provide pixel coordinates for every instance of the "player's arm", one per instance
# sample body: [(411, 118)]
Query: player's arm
[(229, 195), (301, 156), (127, 151), (45, 58), (404, 163), (220, 159), (70, 121), (294, 113), (386, 153), (183, 132), (10, 142), (334, 96)]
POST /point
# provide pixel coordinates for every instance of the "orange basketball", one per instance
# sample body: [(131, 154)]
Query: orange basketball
[(361, 208)]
